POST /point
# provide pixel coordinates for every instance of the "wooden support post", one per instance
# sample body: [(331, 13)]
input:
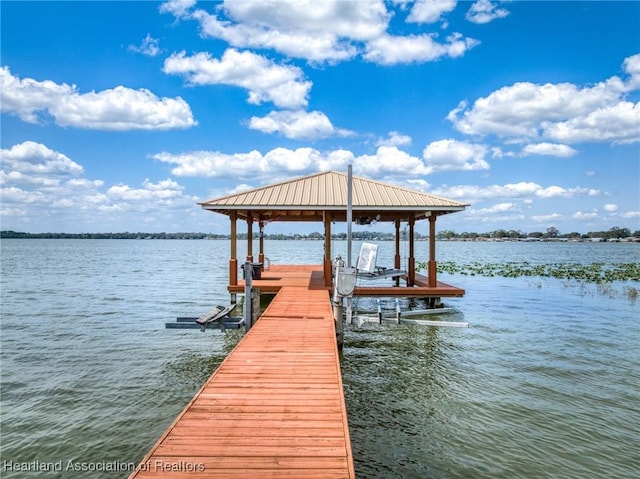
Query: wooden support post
[(249, 237), (432, 266), (248, 304), (396, 259), (328, 267), (338, 313), (255, 305), (412, 260), (261, 253), (233, 260)]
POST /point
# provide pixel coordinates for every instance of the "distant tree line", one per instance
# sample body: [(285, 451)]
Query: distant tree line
[(550, 233), (196, 236), (126, 235)]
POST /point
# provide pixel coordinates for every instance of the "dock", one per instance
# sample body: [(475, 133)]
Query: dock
[(275, 407)]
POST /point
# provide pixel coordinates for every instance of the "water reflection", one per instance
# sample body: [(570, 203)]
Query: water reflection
[(189, 370), (396, 379)]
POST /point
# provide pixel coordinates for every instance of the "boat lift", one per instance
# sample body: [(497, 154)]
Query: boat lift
[(408, 317), (216, 318), (366, 268)]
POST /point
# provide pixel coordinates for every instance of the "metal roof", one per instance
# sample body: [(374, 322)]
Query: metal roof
[(310, 197)]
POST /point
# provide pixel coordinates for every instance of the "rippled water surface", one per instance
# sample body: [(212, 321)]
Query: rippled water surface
[(543, 384)]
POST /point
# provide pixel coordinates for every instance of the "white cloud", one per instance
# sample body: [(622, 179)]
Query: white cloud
[(26, 98), (28, 160), (336, 160), (393, 50), (282, 85), (316, 31), (315, 47), (520, 109), (558, 191), (122, 109), (547, 218), (162, 190), (579, 215), (630, 214), (298, 125), (496, 209), (549, 149), (610, 208), (213, 164), (522, 190), (290, 160), (358, 20), (13, 194), (178, 8), (500, 213), (395, 139), (149, 46), (47, 188), (418, 184), (329, 31), (485, 11), (618, 123), (116, 109), (562, 112), (430, 11), (450, 155), (631, 66), (502, 219), (389, 160)]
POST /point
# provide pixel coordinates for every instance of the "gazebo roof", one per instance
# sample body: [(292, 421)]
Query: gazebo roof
[(309, 198)]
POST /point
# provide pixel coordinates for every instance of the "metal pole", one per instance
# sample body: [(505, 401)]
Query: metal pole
[(349, 221), (349, 212)]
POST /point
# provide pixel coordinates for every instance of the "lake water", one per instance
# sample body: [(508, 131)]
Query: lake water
[(545, 383)]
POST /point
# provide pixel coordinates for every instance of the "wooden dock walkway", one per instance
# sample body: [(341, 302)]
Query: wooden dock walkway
[(275, 406)]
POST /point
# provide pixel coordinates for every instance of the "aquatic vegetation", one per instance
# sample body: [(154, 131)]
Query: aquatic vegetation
[(590, 273), (632, 293)]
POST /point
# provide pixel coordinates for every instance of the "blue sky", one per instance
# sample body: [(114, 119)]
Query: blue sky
[(121, 116)]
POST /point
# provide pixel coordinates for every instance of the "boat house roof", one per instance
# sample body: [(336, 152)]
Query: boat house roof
[(308, 199)]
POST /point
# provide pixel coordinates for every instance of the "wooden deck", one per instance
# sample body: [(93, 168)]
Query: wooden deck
[(275, 406), (312, 277), (278, 276)]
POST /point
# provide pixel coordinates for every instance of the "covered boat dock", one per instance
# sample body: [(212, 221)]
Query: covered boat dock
[(323, 197)]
